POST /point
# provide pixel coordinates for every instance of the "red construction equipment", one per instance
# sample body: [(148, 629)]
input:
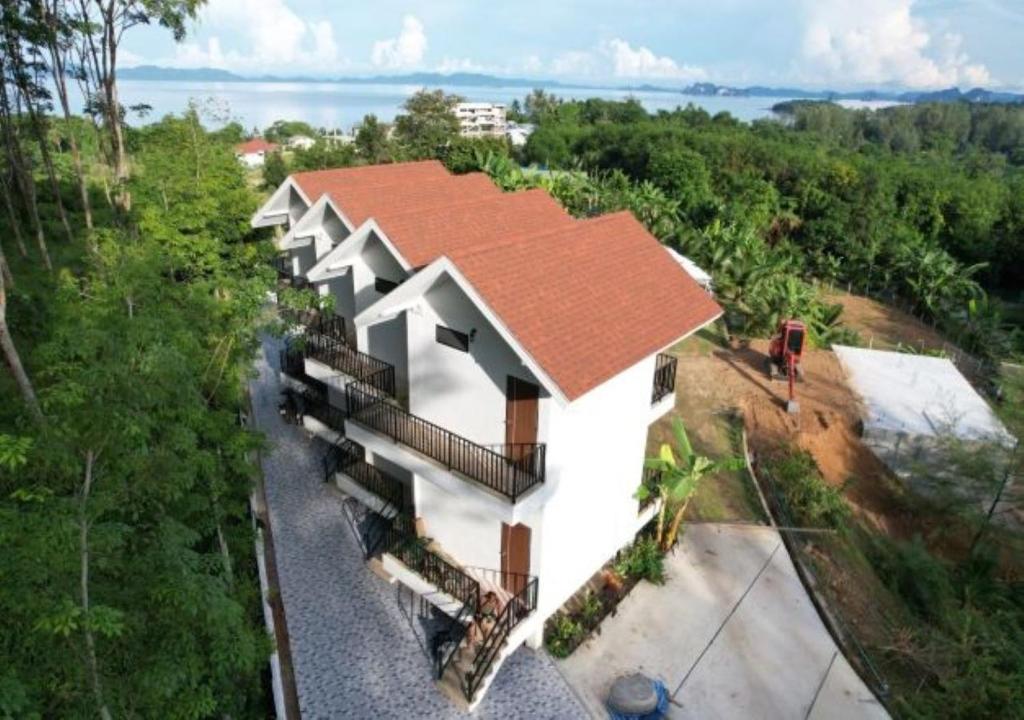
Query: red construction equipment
[(784, 354)]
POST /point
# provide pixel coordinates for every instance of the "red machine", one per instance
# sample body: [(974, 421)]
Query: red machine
[(784, 354)]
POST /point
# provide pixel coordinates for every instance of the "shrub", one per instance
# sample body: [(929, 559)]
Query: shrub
[(591, 609), (642, 561), (915, 575), (811, 501), (563, 635)]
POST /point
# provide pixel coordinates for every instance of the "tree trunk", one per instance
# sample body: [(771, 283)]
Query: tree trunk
[(26, 185), (5, 269), (10, 352), (83, 548), (673, 530), (12, 216), (51, 173), (60, 81)]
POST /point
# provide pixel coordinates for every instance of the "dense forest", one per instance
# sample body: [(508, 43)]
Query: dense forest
[(129, 304)]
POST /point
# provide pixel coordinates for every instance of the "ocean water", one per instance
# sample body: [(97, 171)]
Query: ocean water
[(340, 105)]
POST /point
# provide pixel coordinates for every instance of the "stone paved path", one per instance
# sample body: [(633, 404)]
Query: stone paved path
[(353, 636)]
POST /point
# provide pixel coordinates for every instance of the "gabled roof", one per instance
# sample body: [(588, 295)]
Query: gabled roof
[(336, 181), (581, 303), (422, 237), (359, 204), (254, 146)]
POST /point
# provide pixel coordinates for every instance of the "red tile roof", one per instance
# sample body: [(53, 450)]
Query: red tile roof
[(423, 236), (590, 300), (379, 201), (336, 181), (254, 146)]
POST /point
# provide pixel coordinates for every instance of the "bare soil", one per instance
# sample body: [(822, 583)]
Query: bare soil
[(884, 327)]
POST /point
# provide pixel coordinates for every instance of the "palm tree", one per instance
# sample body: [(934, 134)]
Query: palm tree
[(679, 474)]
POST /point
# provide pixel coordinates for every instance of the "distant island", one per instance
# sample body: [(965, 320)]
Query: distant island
[(976, 95)]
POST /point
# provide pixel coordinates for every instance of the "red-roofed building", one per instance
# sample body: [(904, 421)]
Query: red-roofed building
[(510, 362), (252, 153)]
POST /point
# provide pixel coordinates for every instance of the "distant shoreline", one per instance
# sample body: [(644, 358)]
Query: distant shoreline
[(151, 73)]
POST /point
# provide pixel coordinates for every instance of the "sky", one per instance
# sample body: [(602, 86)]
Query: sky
[(841, 44)]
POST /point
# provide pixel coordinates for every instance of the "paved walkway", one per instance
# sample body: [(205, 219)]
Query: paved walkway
[(355, 639), (732, 634)]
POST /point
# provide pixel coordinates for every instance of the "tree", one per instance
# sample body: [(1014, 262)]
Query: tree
[(283, 130), (101, 26), (13, 359), (274, 170), (679, 474), (372, 140), (428, 124)]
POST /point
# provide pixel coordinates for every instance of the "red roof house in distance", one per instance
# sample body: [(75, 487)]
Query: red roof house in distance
[(253, 152)]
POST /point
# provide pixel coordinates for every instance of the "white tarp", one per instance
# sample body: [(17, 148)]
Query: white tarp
[(919, 395)]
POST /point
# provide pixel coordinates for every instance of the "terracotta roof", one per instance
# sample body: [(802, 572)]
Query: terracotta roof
[(589, 300), (254, 146), (336, 181), (380, 201), (424, 235)]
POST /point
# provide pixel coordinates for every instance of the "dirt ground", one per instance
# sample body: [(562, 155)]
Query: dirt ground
[(884, 327), (714, 381)]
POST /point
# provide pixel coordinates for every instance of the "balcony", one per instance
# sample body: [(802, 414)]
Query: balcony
[(325, 345), (283, 265), (509, 470), (349, 458), (664, 377)]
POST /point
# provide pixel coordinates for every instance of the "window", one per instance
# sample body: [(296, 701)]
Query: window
[(384, 286), (452, 338)]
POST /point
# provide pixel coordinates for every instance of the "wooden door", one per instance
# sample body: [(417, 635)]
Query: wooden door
[(521, 401), (515, 556)]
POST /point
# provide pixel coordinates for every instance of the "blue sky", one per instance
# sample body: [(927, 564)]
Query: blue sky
[(812, 43)]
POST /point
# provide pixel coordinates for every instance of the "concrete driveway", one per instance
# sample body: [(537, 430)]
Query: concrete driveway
[(732, 634)]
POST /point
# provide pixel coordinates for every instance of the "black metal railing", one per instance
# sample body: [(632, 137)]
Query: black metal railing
[(349, 457), (510, 470), (400, 541), (650, 479), (515, 611), (283, 265), (293, 363), (317, 405), (339, 355), (457, 628), (664, 376)]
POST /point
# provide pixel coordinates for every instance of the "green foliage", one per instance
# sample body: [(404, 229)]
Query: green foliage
[(275, 171), (811, 502), (563, 635), (643, 560), (283, 130), (464, 154), (140, 354), (427, 125), (321, 156), (371, 140), (915, 575), (591, 609)]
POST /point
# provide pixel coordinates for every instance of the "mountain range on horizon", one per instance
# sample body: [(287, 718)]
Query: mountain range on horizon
[(464, 79)]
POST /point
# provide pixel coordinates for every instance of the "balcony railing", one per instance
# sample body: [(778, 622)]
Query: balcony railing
[(283, 265), (349, 458), (664, 376), (316, 405), (364, 368), (400, 540), (510, 470)]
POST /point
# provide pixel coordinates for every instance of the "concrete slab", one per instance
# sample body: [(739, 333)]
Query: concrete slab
[(731, 634)]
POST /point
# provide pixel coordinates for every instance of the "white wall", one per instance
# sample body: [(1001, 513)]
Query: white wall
[(463, 392), (595, 456), (340, 287), (387, 341)]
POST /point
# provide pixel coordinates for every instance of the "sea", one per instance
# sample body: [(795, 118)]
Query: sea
[(342, 105)]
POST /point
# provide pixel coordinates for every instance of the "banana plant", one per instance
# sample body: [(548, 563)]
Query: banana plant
[(680, 472)]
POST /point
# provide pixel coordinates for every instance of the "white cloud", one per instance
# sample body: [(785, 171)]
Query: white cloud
[(880, 41), (574, 62), (404, 51), (641, 62), (275, 38)]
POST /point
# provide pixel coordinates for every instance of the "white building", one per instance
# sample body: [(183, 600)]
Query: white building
[(480, 119), (252, 153), (518, 133), (505, 365), (301, 142)]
